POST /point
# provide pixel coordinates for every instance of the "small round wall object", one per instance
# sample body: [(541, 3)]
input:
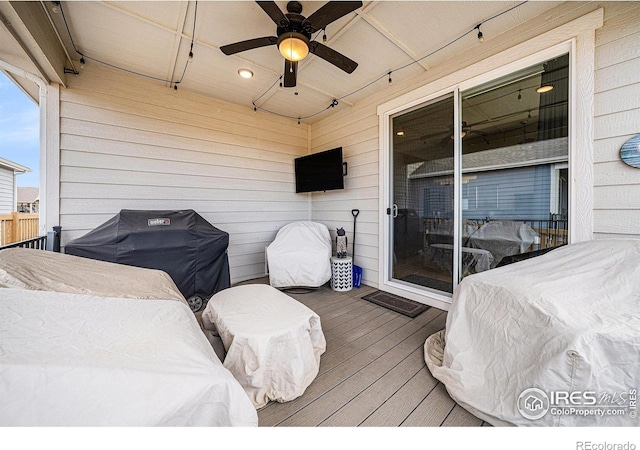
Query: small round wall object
[(195, 303), (630, 152)]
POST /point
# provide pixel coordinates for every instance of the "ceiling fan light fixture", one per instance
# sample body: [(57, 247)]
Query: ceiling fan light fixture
[(245, 73), (293, 46), (543, 89)]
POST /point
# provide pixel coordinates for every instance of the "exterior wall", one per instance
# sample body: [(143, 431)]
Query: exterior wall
[(130, 143), (617, 118), (7, 191), (356, 129), (357, 134)]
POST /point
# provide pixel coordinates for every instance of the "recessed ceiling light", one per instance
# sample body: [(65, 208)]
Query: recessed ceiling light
[(245, 73), (400, 133), (543, 89)]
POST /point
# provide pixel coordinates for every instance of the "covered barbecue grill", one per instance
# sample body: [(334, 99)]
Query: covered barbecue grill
[(183, 244)]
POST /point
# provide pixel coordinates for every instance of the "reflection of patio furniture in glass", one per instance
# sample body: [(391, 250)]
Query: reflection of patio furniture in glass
[(502, 238), (474, 260), (440, 231)]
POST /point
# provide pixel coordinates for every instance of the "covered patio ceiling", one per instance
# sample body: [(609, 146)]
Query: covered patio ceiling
[(393, 40)]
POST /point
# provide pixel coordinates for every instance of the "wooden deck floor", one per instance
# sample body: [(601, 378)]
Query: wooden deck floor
[(373, 372)]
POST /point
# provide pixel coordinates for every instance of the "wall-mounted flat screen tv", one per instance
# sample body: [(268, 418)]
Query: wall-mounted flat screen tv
[(320, 171)]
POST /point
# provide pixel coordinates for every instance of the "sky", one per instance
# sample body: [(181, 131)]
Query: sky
[(19, 131)]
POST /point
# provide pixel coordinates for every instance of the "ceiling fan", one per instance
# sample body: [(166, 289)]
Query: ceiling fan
[(447, 139), (294, 33)]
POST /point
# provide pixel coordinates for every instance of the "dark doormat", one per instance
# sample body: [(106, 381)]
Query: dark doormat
[(396, 303), (433, 283)]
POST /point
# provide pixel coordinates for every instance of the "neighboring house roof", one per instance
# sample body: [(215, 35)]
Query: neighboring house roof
[(533, 153), (5, 163), (28, 194)]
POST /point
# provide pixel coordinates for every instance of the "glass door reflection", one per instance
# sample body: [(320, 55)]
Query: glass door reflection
[(423, 196)]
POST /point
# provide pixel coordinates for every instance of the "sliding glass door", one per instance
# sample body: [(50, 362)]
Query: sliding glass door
[(469, 200), (423, 196)]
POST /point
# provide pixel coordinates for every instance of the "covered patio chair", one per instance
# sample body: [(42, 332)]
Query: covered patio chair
[(300, 256)]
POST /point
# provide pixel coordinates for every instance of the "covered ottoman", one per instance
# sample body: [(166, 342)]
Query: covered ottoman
[(273, 342)]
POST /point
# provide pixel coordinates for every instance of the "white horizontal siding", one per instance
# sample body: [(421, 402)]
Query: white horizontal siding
[(617, 118), (357, 134), (7, 191), (130, 143)]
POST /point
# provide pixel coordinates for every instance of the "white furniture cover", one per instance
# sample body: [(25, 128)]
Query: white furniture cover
[(299, 256), (474, 260), (82, 360), (40, 270), (273, 342), (75, 355), (568, 320), (502, 238)]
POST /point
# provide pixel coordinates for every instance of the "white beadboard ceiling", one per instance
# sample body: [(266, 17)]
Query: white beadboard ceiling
[(153, 38)]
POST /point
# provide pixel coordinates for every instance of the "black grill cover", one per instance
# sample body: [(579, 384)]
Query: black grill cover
[(183, 244)]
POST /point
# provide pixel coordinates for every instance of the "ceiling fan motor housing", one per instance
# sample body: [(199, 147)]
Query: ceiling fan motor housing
[(296, 25)]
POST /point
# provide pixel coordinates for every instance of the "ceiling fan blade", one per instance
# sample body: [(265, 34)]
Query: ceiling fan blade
[(290, 73), (332, 56), (330, 12), (248, 45), (275, 13)]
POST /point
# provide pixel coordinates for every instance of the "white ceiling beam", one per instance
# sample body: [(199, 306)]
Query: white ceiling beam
[(143, 18), (359, 15), (180, 25), (393, 39), (29, 25), (270, 94)]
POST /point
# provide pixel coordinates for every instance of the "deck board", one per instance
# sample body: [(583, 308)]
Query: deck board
[(274, 413), (366, 402), (361, 317), (432, 411), (373, 371), (322, 408), (393, 412), (460, 417)]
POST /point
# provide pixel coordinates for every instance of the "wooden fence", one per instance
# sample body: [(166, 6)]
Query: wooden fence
[(16, 227)]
